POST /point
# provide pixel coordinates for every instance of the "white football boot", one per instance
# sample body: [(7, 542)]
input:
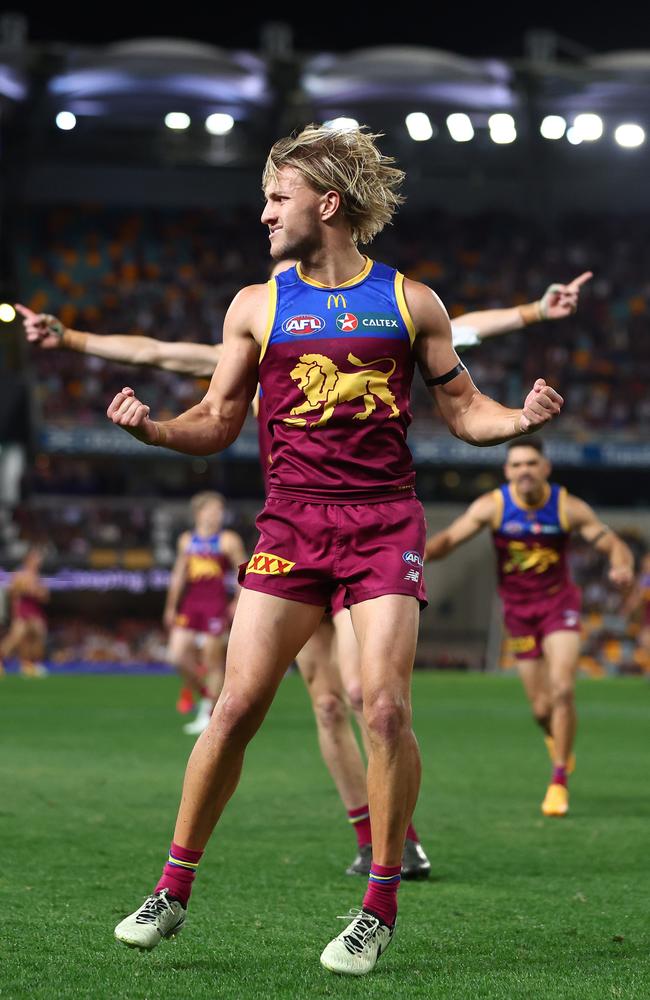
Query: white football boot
[(157, 918), (357, 949), (202, 720)]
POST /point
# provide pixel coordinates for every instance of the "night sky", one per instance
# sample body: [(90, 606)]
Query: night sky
[(470, 28)]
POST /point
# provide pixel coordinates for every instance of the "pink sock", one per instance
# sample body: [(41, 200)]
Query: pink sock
[(381, 895), (179, 872), (559, 775), (411, 834), (360, 819)]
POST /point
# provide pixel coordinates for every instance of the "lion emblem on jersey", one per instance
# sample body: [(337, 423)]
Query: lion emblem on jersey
[(325, 386)]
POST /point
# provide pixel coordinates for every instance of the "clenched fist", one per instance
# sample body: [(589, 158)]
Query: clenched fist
[(622, 577), (541, 405), (128, 412)]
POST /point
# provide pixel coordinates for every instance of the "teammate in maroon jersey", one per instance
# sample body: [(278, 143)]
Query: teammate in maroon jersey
[(531, 520), (197, 609), (341, 508), (28, 630)]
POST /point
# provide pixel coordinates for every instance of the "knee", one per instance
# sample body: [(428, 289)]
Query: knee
[(236, 718), (387, 717), (329, 711), (355, 697), (562, 695)]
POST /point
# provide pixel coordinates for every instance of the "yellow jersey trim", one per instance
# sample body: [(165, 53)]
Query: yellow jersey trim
[(561, 509), (367, 267), (521, 503), (402, 306), (270, 318), (497, 516)]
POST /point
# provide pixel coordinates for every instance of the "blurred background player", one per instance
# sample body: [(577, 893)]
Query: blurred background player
[(531, 520), (28, 629), (198, 608)]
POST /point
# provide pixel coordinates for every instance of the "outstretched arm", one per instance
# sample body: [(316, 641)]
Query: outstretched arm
[(214, 423), (581, 517), (469, 414), (557, 302), (478, 516), (48, 332)]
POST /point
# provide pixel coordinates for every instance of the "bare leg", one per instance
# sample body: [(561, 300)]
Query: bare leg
[(32, 647), (253, 672), (562, 650), (181, 653), (214, 658), (534, 677), (338, 746), (349, 662), (14, 638), (387, 628)]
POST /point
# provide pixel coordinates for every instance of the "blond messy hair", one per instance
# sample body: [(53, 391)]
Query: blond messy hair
[(199, 500), (348, 162)]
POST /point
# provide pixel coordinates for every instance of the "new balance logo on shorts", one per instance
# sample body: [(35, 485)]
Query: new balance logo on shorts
[(266, 564)]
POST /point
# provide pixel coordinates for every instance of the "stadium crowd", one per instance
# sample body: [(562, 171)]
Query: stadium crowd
[(171, 275)]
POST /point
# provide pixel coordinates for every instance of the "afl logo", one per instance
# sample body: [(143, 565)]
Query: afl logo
[(412, 558), (303, 326), (346, 322)]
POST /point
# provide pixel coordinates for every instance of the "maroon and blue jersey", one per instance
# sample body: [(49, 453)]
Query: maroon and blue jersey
[(531, 545), (207, 569), (335, 373)]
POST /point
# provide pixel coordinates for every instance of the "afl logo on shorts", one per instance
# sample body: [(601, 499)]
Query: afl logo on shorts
[(412, 558), (347, 322), (303, 326)]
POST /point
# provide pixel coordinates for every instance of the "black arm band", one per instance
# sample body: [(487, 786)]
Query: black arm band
[(443, 379), (601, 534)]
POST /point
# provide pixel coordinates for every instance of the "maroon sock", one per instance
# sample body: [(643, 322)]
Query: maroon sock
[(360, 819), (411, 834), (179, 872), (559, 775), (381, 894)]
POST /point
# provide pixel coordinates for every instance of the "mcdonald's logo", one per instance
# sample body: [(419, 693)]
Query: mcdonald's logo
[(338, 301)]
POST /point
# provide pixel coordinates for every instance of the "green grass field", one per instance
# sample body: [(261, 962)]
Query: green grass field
[(520, 907)]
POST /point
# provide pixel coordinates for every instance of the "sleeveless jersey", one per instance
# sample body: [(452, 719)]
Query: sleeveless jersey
[(335, 373), (531, 545), (207, 567)]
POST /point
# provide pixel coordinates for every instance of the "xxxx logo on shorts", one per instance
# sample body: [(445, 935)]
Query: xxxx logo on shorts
[(521, 643), (266, 564)]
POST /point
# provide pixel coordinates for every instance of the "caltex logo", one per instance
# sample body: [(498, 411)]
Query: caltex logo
[(303, 326), (347, 322)]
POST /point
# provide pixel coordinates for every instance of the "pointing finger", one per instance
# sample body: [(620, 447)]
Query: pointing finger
[(24, 311), (581, 280)]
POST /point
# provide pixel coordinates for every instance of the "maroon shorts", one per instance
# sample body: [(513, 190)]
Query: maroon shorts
[(310, 551), (530, 622), (199, 619)]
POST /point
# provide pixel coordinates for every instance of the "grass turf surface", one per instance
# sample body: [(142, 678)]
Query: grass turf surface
[(520, 906)]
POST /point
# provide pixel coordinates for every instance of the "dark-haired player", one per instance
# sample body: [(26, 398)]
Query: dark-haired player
[(531, 520)]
